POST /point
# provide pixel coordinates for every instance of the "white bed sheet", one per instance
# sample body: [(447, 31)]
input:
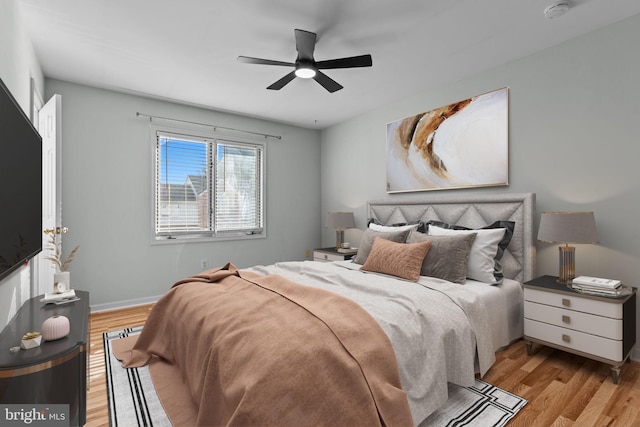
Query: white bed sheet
[(506, 303), (506, 314)]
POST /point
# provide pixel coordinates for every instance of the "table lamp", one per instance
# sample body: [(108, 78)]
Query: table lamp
[(565, 228), (340, 221)]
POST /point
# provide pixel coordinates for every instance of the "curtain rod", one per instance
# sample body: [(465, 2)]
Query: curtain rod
[(215, 127)]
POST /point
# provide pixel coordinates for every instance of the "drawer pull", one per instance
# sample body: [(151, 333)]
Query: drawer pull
[(326, 256), (566, 302), (566, 338), (566, 319)]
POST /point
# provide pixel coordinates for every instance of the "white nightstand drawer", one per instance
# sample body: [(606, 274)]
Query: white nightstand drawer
[(325, 257), (579, 341), (577, 303), (595, 325)]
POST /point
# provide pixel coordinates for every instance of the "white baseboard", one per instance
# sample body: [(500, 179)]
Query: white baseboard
[(96, 308)]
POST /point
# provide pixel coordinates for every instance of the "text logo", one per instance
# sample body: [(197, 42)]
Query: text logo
[(34, 415)]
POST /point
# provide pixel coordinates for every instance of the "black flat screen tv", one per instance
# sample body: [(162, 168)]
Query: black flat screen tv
[(20, 186)]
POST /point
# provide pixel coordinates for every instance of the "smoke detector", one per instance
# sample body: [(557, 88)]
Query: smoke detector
[(556, 9)]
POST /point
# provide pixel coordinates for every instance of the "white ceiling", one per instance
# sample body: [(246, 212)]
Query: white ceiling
[(186, 50)]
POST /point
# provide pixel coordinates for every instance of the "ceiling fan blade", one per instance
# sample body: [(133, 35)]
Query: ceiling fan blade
[(327, 82), (250, 60), (283, 81), (305, 44), (351, 62)]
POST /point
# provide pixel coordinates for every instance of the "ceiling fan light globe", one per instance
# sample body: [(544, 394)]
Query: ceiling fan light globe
[(305, 73)]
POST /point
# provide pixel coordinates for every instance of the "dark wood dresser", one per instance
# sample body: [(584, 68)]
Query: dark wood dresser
[(56, 371)]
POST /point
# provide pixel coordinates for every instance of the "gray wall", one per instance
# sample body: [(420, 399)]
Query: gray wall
[(18, 65), (573, 140), (107, 191)]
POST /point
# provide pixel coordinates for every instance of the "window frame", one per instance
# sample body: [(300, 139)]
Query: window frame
[(212, 138)]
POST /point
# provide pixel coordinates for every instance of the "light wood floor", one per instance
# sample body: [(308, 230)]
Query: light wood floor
[(97, 410), (562, 389)]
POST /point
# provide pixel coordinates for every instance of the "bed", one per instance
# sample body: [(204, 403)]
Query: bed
[(333, 344)]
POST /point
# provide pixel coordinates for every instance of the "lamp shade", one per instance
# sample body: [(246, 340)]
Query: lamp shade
[(568, 227), (340, 220)]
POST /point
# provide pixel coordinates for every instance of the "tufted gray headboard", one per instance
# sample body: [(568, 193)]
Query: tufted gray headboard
[(474, 211)]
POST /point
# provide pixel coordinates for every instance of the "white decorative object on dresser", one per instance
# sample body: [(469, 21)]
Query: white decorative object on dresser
[(333, 254), (599, 328)]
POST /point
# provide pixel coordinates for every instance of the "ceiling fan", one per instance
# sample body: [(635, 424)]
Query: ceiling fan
[(306, 67)]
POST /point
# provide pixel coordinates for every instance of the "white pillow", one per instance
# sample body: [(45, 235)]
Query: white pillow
[(386, 228), (482, 264)]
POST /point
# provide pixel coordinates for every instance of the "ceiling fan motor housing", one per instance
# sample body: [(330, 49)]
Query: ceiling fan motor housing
[(305, 68)]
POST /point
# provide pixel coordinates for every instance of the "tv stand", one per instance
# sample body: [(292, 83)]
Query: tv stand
[(56, 371)]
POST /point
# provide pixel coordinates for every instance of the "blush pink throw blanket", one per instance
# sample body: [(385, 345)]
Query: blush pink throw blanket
[(234, 348)]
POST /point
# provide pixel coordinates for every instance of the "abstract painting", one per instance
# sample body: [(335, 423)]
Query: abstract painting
[(460, 145)]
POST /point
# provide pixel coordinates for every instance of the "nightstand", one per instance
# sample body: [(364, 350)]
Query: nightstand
[(332, 254), (599, 328)]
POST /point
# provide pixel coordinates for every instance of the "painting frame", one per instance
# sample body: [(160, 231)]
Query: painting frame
[(460, 145)]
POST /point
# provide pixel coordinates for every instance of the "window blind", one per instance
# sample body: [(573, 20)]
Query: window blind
[(238, 190), (207, 187)]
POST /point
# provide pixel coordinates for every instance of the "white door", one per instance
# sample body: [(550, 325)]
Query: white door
[(49, 126)]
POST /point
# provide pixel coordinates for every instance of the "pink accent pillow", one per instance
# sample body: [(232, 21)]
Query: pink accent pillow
[(397, 259)]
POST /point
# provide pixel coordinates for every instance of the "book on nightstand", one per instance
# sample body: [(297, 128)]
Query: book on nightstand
[(605, 292), (60, 298), (597, 282), (348, 251)]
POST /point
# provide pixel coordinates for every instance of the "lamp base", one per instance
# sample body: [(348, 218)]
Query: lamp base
[(567, 264), (339, 238)]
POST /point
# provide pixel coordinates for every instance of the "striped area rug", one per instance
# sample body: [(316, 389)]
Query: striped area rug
[(481, 405), (133, 400)]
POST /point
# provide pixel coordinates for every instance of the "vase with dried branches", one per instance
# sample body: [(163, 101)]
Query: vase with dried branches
[(61, 277)]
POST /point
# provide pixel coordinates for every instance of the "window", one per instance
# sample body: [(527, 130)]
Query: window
[(207, 187)]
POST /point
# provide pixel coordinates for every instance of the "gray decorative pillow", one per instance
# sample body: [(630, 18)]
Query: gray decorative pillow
[(448, 256), (484, 265), (366, 242)]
